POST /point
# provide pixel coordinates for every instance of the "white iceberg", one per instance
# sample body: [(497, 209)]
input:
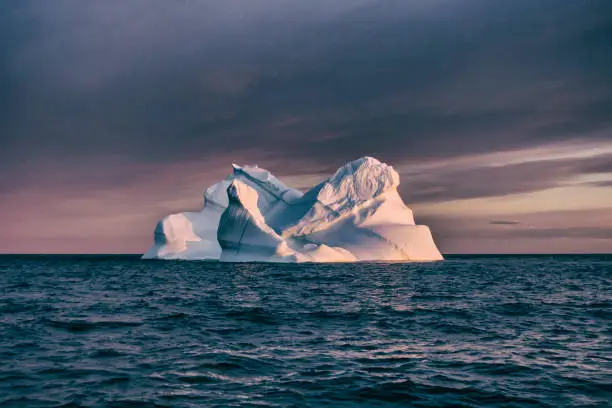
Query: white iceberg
[(356, 215)]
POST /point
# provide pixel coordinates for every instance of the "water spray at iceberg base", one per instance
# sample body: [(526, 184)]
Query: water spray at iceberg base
[(355, 215)]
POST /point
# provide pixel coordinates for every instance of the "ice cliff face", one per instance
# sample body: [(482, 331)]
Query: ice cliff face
[(355, 215)]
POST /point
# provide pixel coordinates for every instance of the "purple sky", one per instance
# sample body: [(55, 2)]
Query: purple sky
[(497, 114)]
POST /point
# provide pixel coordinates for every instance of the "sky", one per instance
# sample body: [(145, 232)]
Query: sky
[(497, 114)]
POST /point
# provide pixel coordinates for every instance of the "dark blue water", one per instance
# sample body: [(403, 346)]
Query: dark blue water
[(467, 332)]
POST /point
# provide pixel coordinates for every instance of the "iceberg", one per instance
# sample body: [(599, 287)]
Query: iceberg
[(355, 215)]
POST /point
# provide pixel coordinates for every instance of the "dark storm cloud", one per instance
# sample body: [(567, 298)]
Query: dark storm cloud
[(163, 82)]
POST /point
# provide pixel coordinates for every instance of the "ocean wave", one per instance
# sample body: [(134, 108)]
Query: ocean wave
[(476, 332)]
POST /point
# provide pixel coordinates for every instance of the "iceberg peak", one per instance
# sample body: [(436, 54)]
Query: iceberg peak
[(358, 181)]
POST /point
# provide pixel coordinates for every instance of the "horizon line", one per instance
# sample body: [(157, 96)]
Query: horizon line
[(445, 254)]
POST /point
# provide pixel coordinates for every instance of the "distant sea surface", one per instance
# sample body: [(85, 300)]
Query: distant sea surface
[(472, 331)]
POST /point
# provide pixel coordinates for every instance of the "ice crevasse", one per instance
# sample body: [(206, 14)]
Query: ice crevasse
[(251, 216)]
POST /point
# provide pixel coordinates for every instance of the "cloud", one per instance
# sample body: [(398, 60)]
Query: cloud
[(146, 97), (504, 222), (598, 165), (398, 80), (466, 179), (571, 231), (604, 184), (576, 232)]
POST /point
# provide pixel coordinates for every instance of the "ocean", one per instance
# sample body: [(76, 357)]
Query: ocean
[(471, 331)]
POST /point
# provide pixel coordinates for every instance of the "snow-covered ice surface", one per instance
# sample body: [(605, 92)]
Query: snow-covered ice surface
[(355, 215)]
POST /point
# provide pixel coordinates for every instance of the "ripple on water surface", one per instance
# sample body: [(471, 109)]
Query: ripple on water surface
[(466, 332)]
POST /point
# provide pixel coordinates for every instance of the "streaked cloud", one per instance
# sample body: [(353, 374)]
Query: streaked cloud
[(504, 222)]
